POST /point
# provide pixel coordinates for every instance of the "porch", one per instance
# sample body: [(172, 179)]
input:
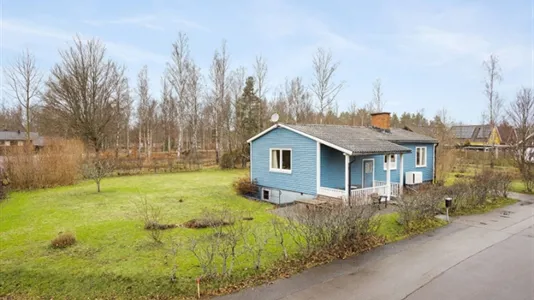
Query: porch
[(357, 177)]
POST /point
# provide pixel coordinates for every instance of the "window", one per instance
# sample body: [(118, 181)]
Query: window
[(7, 143), (20, 143), (281, 160), (392, 162), (420, 159), (266, 194)]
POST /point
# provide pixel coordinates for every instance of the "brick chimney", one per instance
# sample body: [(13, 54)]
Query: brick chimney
[(381, 120)]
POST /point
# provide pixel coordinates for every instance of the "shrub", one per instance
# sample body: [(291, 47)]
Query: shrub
[(229, 160), (245, 186), (63, 240), (419, 207), (57, 164), (478, 190), (333, 227)]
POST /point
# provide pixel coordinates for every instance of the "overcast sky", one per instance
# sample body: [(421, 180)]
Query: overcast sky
[(428, 54)]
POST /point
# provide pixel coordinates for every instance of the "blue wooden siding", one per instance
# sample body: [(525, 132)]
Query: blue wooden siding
[(303, 177), (332, 168), (409, 164), (409, 161)]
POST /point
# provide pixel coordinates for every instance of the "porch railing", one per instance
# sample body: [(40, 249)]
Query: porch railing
[(395, 187), (331, 192), (364, 194)]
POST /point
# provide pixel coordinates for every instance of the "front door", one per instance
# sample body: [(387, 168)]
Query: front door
[(368, 172)]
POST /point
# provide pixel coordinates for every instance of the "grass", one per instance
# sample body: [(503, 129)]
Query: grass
[(394, 231), (113, 255), (517, 185), (487, 207)]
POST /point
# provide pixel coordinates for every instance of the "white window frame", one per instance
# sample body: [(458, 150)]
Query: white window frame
[(392, 164), (425, 158), (271, 169)]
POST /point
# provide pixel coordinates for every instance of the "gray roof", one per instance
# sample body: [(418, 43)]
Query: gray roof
[(364, 140), (472, 132), (17, 136)]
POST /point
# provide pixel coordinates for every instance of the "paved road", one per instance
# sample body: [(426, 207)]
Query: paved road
[(476, 257)]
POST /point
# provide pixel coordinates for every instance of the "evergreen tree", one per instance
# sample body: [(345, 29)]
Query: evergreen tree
[(248, 119)]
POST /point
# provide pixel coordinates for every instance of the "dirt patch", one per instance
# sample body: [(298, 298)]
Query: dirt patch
[(205, 223), (248, 218), (157, 226)]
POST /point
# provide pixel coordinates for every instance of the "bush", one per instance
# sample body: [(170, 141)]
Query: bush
[(475, 192), (333, 227), (63, 240), (229, 160), (420, 207), (245, 186), (57, 164)]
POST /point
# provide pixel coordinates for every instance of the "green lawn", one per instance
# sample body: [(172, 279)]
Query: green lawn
[(114, 255)]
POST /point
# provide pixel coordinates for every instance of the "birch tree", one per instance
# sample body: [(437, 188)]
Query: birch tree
[(493, 78), (377, 103), (24, 83), (298, 100), (178, 78), (218, 75), (260, 79), (323, 86), (194, 99)]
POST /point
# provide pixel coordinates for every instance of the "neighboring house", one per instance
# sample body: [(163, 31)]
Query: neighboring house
[(291, 162), (507, 134), (479, 137), (18, 138)]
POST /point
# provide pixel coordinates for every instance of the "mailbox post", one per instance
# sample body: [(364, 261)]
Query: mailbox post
[(448, 204)]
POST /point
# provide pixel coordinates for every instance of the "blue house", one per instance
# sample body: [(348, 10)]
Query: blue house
[(292, 162)]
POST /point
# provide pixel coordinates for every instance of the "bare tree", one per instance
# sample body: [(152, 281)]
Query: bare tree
[(24, 81), (97, 169), (218, 75), (81, 90), (323, 85), (521, 117), (167, 109), (298, 99), (377, 104), (493, 77), (122, 99), (194, 91), (177, 71), (260, 70)]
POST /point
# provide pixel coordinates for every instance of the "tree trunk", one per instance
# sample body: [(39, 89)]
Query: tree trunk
[(128, 141), (98, 186)]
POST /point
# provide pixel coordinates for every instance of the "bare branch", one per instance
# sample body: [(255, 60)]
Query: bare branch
[(323, 86)]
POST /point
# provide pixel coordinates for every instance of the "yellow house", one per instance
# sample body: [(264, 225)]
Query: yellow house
[(476, 135)]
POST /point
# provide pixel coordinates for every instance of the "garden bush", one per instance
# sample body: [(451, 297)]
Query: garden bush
[(63, 240), (417, 208), (245, 186), (230, 160), (477, 191)]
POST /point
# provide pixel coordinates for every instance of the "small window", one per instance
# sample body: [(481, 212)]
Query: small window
[(7, 143), (266, 194), (281, 160), (392, 162), (20, 143), (420, 159)]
